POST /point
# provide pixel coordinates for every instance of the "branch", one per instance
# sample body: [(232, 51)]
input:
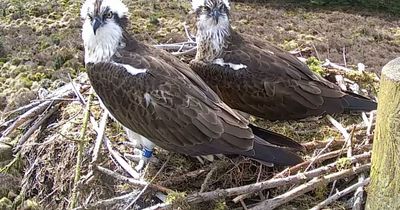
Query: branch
[(81, 146), (148, 184), (256, 187), (35, 126), (25, 117), (104, 204), (326, 156), (340, 194), (131, 181), (309, 186), (122, 162)]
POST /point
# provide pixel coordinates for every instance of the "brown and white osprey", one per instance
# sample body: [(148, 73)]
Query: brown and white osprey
[(159, 97), (257, 77)]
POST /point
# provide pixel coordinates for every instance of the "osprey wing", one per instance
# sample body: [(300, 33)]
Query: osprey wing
[(155, 100)]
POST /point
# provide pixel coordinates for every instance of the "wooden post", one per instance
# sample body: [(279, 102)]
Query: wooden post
[(384, 190)]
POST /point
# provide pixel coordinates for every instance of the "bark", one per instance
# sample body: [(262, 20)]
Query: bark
[(384, 190)]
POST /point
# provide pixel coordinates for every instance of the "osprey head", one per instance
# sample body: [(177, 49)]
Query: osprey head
[(213, 27), (212, 12), (103, 24)]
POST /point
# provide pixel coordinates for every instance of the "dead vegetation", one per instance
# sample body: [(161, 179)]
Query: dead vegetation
[(41, 133)]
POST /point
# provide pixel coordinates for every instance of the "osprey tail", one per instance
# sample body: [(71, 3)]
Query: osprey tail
[(276, 139), (357, 103), (273, 155)]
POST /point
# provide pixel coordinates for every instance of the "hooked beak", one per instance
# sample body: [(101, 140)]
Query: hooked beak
[(97, 22), (216, 14)]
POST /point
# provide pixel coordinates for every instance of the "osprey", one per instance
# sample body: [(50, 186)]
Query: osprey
[(159, 97), (257, 77)]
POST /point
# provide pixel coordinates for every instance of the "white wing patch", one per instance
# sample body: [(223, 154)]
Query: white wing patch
[(233, 66), (132, 70), (147, 98)]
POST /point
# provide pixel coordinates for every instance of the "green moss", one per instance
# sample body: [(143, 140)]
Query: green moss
[(321, 191), (343, 163), (290, 45), (154, 20), (26, 82), (16, 61), (220, 205), (315, 65), (177, 199), (38, 76), (31, 205), (5, 204)]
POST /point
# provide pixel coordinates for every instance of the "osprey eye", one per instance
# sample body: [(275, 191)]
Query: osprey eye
[(109, 15), (206, 9)]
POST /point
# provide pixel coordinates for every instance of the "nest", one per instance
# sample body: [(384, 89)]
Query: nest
[(72, 156)]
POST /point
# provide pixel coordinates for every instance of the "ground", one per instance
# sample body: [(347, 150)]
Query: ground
[(40, 45)]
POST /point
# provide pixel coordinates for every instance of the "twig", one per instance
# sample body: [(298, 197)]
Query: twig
[(344, 57), (96, 150), (183, 46), (252, 188), (22, 109), (321, 144), (326, 156), (188, 35), (99, 138), (131, 181), (358, 195), (79, 159), (122, 162), (159, 206), (339, 126), (187, 52), (183, 178), (55, 99), (316, 52), (38, 108), (328, 63), (148, 184), (103, 204), (340, 194), (77, 93), (320, 153), (309, 186), (25, 117), (35, 126), (204, 186)]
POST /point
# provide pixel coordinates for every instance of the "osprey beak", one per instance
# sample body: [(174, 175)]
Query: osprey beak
[(216, 14), (97, 22)]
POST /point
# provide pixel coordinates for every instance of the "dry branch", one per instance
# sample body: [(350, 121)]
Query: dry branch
[(148, 184), (340, 194), (104, 204), (35, 126), (358, 195), (79, 159), (252, 188), (329, 64), (326, 156), (121, 161), (25, 117), (99, 138), (34, 109), (131, 181), (206, 181), (309, 186)]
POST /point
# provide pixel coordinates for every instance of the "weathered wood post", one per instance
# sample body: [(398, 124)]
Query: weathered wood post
[(384, 190)]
